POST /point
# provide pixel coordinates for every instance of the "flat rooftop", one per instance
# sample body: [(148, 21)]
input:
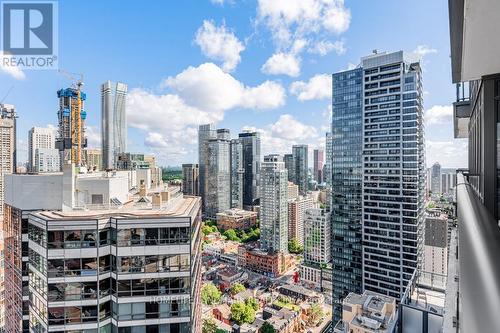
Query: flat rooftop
[(369, 299), (183, 206)]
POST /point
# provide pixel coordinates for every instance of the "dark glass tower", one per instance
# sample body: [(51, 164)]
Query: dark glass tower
[(250, 142), (346, 181)]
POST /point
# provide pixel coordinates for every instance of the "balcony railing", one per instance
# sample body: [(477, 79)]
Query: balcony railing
[(462, 111), (479, 262)]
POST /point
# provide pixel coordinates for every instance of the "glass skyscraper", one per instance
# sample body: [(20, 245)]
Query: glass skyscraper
[(300, 166), (251, 163), (378, 176), (346, 183), (114, 122)]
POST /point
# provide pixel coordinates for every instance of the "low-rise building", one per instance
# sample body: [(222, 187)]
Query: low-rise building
[(318, 277), (235, 218), (222, 312), (299, 293), (270, 263), (231, 275), (367, 313)]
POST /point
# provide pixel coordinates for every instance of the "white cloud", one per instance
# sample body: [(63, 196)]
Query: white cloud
[(336, 17), (282, 63), (207, 87), (13, 71), (350, 66), (324, 47), (218, 43), (318, 87), (289, 18), (450, 154), (198, 95), (287, 127), (222, 2), (290, 21), (420, 52), (93, 134), (439, 114), (279, 137)]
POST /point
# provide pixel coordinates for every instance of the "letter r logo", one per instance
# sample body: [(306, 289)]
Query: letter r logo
[(27, 28)]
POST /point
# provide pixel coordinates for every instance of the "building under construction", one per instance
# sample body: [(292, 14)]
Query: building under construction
[(71, 134)]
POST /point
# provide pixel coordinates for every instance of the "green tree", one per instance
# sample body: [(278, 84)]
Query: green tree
[(253, 303), (237, 288), (294, 247), (231, 235), (209, 326), (267, 328), (316, 314), (210, 294), (241, 313)]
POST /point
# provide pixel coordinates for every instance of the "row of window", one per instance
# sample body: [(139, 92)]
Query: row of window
[(73, 239)]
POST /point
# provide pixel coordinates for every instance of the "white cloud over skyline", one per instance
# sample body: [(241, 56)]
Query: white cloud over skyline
[(220, 44)]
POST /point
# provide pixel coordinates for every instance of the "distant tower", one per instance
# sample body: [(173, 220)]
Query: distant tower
[(300, 166), (205, 133), (39, 138), (7, 146), (71, 133), (237, 172), (218, 183), (274, 205), (114, 122), (318, 165), (436, 179), (251, 163)]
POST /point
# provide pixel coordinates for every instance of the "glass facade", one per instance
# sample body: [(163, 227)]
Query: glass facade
[(114, 276), (346, 183)]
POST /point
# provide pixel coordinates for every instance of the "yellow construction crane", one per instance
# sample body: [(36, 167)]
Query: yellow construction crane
[(76, 119)]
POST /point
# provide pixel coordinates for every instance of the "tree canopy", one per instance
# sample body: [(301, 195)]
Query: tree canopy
[(267, 328), (210, 294), (237, 288), (242, 313), (294, 247)]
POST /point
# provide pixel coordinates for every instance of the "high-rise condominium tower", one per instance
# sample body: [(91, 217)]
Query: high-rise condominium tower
[(393, 172), (250, 142), (7, 146), (300, 166), (39, 138), (205, 133), (7, 166), (379, 174), (103, 267), (289, 166), (435, 185), (190, 179), (218, 182), (237, 173), (113, 122), (318, 158), (345, 168), (274, 205)]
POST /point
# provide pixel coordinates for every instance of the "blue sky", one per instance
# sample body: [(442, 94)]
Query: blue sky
[(242, 63)]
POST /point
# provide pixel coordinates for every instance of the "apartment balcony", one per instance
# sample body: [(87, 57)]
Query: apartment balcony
[(479, 269), (461, 111)]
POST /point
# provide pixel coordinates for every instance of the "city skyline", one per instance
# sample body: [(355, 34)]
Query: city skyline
[(287, 108)]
